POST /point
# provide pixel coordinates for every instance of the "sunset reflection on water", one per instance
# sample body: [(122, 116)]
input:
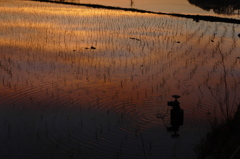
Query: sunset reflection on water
[(68, 71)]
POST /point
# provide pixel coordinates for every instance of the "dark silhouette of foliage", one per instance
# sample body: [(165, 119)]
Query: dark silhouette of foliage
[(228, 7)]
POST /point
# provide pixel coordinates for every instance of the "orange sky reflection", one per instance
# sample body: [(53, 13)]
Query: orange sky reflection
[(139, 60)]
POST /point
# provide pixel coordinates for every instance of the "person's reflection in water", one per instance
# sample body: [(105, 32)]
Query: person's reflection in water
[(177, 115), (131, 3)]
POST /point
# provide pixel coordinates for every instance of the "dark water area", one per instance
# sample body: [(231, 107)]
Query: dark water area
[(78, 82), (222, 8)]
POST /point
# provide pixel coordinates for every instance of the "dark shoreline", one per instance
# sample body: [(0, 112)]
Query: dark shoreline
[(194, 17)]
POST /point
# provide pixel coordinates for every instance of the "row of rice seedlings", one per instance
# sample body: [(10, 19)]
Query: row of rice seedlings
[(108, 71)]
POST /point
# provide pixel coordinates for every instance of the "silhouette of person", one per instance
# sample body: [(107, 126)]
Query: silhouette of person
[(177, 115)]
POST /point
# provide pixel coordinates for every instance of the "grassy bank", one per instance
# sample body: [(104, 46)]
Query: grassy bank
[(223, 142)]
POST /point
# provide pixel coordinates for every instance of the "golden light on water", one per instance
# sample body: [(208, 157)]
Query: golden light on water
[(67, 34)]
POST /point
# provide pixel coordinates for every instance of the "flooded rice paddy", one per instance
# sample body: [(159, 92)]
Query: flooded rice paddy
[(94, 83)]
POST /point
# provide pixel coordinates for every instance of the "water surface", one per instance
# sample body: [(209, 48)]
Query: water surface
[(94, 83), (230, 9)]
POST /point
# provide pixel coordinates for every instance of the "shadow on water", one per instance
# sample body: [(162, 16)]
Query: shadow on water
[(196, 18), (229, 7)]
